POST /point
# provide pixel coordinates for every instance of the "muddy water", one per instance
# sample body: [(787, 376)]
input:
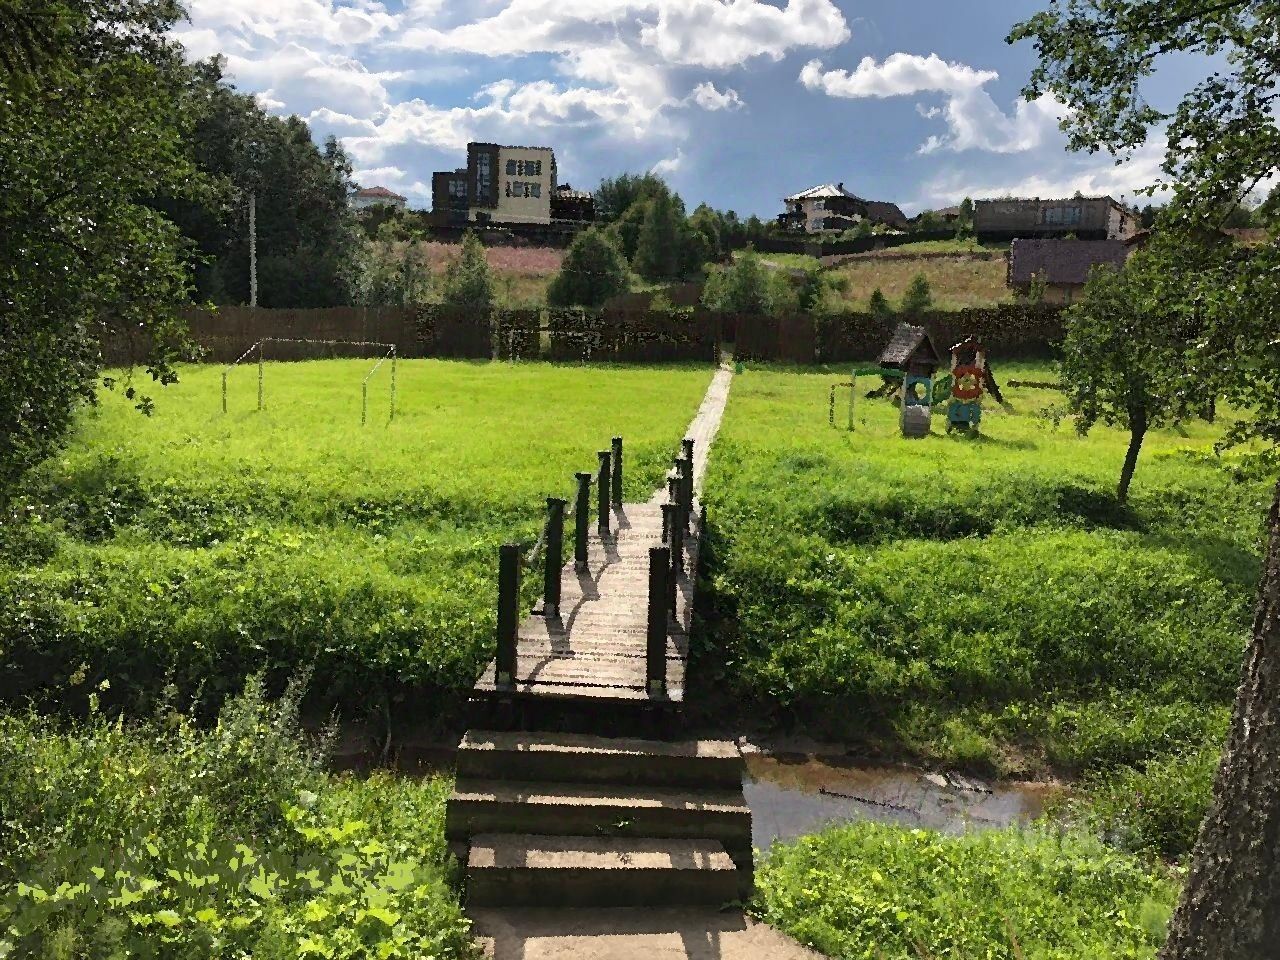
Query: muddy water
[(792, 794), (794, 787)]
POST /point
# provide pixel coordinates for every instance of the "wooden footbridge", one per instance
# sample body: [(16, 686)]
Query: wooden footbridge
[(557, 801)]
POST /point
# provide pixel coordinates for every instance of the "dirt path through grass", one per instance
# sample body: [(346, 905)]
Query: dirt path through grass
[(704, 427)]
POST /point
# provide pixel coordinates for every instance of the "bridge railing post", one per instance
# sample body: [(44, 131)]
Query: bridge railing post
[(581, 521), (554, 557), (686, 489), (617, 471), (656, 628), (602, 492), (668, 522), (676, 543), (508, 613)]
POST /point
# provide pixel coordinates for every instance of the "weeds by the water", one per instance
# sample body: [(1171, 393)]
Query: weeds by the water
[(870, 890)]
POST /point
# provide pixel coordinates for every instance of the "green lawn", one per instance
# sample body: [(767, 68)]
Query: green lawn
[(196, 548), (983, 602)]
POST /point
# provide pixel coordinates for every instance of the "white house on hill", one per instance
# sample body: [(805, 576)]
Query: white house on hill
[(364, 197)]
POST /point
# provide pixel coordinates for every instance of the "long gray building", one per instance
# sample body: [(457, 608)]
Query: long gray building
[(1087, 218)]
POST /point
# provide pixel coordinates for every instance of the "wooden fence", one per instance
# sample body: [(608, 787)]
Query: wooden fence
[(636, 336)]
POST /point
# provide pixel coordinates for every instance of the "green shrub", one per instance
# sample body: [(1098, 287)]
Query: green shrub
[(1156, 807), (159, 839), (875, 891)]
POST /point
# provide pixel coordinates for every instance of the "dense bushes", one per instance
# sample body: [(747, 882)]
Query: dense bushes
[(867, 890), (158, 839), (1006, 330)]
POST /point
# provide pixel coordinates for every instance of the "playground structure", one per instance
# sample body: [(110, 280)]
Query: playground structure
[(968, 376), (908, 366)]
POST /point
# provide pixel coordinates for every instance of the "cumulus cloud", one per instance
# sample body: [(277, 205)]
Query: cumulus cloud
[(900, 74), (618, 67), (668, 165), (1068, 175), (724, 33), (974, 121), (708, 97)]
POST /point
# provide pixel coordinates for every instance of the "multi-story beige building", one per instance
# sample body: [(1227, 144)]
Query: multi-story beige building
[(501, 185)]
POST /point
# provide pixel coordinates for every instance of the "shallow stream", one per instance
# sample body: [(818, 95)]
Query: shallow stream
[(792, 794)]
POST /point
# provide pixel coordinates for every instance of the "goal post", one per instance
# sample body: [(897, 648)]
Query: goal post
[(388, 352)]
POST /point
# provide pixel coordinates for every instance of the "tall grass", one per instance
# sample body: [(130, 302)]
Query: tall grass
[(984, 601), (159, 838), (194, 548), (869, 890)]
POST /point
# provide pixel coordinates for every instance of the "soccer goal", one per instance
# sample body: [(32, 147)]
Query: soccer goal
[(260, 350)]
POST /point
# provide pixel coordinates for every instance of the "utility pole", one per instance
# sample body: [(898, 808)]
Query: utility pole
[(253, 249)]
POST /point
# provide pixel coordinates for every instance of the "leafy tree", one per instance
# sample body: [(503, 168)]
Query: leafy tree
[(708, 224), (927, 221), (878, 305), (657, 250), (468, 281), (92, 126), (395, 274), (308, 245), (1223, 138), (616, 195), (1124, 358), (918, 297), (625, 229), (741, 288), (966, 213), (593, 271)]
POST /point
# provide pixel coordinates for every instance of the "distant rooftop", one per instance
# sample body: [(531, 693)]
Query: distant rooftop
[(1062, 261), (821, 192), (380, 192)]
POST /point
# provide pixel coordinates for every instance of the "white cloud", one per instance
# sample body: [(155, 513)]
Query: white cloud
[(724, 33), (668, 165), (1067, 175), (900, 74), (974, 121), (615, 67), (708, 97)]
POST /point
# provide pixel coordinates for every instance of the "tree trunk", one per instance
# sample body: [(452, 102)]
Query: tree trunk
[(1137, 430), (1230, 906)]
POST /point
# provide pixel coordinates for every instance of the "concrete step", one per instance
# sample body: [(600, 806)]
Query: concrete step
[(558, 871), (480, 806), (559, 757)]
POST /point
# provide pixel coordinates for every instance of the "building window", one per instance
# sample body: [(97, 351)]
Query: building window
[(1061, 216), (511, 167), (537, 190), (484, 178), (537, 168)]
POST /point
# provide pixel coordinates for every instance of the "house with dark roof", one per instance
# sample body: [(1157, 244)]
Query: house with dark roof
[(1062, 265), (362, 198), (1085, 218), (830, 207)]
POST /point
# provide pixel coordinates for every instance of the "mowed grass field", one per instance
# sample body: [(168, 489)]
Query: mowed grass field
[(194, 548), (985, 602)]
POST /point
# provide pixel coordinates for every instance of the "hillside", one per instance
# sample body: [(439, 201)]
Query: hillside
[(963, 280)]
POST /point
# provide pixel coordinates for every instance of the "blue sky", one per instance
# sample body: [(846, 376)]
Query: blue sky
[(736, 102)]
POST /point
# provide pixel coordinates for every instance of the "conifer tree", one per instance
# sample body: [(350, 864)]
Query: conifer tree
[(593, 271)]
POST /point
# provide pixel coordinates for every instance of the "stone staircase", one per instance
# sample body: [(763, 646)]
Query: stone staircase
[(571, 820)]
